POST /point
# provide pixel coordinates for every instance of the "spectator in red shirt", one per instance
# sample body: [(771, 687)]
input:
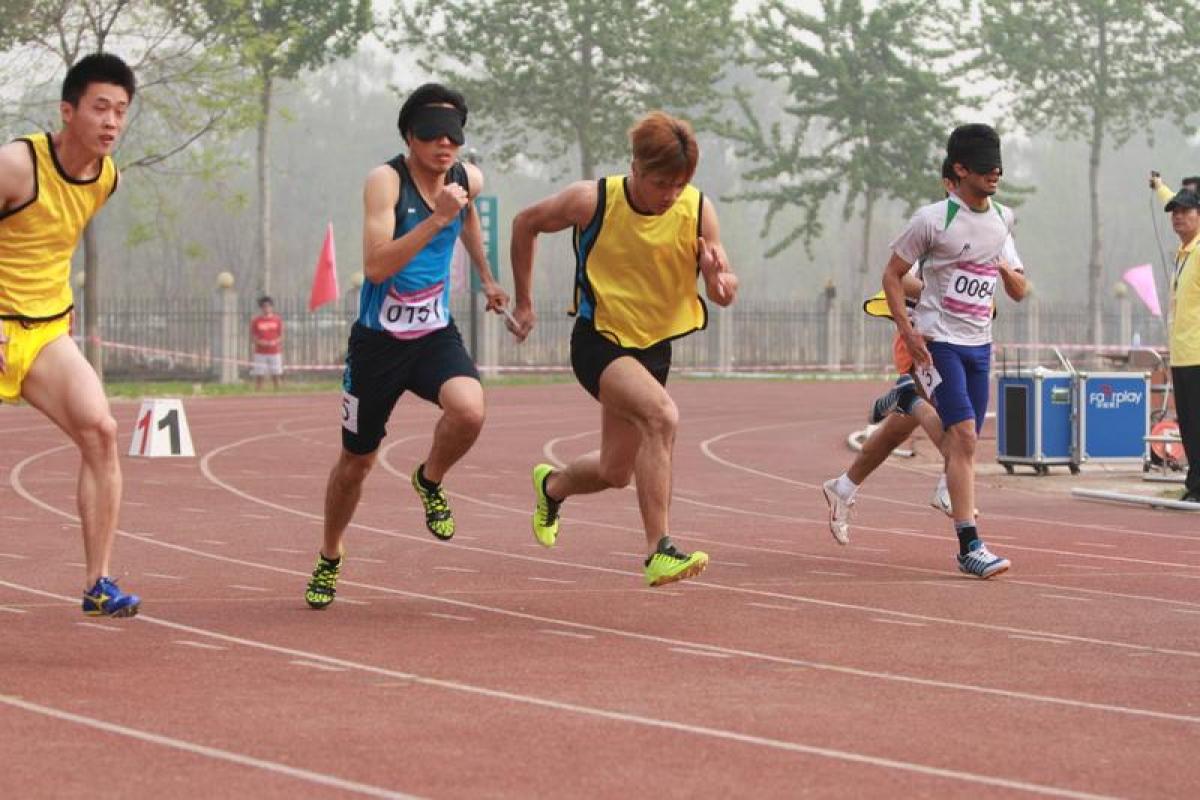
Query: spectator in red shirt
[(266, 331)]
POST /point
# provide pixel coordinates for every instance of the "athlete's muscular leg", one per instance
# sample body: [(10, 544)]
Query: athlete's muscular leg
[(634, 403), (463, 410), (890, 434), (342, 493), (959, 447), (610, 467), (64, 387)]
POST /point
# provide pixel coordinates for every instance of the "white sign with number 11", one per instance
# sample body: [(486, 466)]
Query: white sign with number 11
[(161, 429)]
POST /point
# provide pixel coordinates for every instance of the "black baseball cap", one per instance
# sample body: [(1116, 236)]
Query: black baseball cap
[(1184, 198)]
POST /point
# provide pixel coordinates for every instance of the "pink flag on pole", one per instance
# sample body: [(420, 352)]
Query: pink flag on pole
[(324, 285), (1141, 278)]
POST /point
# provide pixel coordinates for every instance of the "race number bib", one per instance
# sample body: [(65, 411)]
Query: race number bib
[(929, 378), (414, 314), (971, 291)]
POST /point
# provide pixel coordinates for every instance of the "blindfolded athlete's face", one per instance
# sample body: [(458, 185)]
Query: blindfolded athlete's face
[(99, 118)]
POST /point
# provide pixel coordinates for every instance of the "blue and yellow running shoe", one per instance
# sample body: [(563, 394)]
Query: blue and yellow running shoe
[(668, 565), (545, 516), (323, 584), (105, 599), (439, 519)]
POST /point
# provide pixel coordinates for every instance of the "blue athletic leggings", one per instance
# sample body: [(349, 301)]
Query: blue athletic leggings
[(963, 392)]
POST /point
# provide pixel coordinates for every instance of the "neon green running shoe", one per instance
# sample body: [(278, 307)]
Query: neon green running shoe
[(545, 516), (323, 584), (668, 565), (439, 519)]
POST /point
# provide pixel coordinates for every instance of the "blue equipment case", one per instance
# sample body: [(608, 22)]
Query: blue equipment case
[(1035, 420), (1114, 416)]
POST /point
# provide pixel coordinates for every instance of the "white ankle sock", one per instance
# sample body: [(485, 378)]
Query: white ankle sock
[(845, 487)]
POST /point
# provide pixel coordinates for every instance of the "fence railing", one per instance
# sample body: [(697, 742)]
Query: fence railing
[(190, 338)]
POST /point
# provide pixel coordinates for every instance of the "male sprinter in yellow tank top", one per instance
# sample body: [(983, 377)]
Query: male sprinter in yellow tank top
[(51, 184), (640, 241)]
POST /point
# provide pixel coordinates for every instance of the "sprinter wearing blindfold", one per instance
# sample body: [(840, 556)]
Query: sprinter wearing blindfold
[(416, 207)]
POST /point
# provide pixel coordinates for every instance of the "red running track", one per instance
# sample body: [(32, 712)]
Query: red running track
[(490, 667)]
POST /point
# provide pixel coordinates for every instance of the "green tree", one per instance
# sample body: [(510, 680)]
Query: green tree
[(1096, 71), (549, 76), (866, 116), (277, 40), (184, 95)]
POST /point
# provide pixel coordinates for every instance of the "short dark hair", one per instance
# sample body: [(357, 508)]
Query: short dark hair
[(1193, 181), (948, 173), (97, 68), (429, 94), (265, 299)]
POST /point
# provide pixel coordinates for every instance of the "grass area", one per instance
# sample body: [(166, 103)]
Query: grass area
[(140, 389)]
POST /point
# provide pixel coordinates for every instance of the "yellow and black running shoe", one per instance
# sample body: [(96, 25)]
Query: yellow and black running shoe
[(545, 516), (439, 519), (323, 584), (668, 565)]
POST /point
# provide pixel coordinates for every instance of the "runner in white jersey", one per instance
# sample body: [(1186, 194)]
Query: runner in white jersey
[(961, 241)]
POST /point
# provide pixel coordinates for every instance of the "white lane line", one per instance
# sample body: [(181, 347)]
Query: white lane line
[(1045, 639), (366, 560), (200, 645), (246, 588), (353, 602), (705, 653), (1088, 544), (1186, 610), (12, 518), (833, 574), (12, 610), (568, 634), (868, 549), (252, 515), (624, 554), (162, 575), (15, 556), (76, 564), (465, 570), (208, 752), (99, 627), (455, 617), (300, 662), (724, 563), (773, 607), (217, 542), (1067, 597), (1079, 566), (550, 580), (899, 622), (289, 550)]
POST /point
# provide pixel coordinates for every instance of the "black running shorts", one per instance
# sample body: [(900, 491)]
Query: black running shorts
[(591, 353), (380, 368)]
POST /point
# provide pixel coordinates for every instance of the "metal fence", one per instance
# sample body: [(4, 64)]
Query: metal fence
[(181, 338)]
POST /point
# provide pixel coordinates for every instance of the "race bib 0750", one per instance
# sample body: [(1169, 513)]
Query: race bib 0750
[(971, 290), (409, 315)]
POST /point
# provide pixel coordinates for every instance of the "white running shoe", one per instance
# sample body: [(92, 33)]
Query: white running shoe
[(839, 512), (980, 562)]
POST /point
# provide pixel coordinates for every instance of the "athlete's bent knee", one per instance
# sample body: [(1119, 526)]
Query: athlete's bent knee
[(467, 416), (98, 436), (616, 476), (662, 419), (353, 468)]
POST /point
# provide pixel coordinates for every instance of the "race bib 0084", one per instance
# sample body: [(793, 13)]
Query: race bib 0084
[(971, 291), (413, 314)]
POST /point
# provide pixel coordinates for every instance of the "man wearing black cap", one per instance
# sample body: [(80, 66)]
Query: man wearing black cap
[(962, 243), (1185, 331), (415, 207)]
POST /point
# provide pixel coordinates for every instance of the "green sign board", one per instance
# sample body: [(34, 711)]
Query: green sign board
[(489, 219)]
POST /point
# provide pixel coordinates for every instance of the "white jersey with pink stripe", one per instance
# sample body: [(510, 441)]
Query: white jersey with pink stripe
[(960, 249)]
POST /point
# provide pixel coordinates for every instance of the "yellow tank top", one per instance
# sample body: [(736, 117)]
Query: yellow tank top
[(635, 274), (38, 238)]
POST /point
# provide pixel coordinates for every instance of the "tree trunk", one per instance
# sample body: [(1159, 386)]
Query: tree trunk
[(264, 187), (91, 300), (864, 268), (1095, 268), (587, 165)]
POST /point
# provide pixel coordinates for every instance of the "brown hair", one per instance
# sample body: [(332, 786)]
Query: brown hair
[(664, 145)]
